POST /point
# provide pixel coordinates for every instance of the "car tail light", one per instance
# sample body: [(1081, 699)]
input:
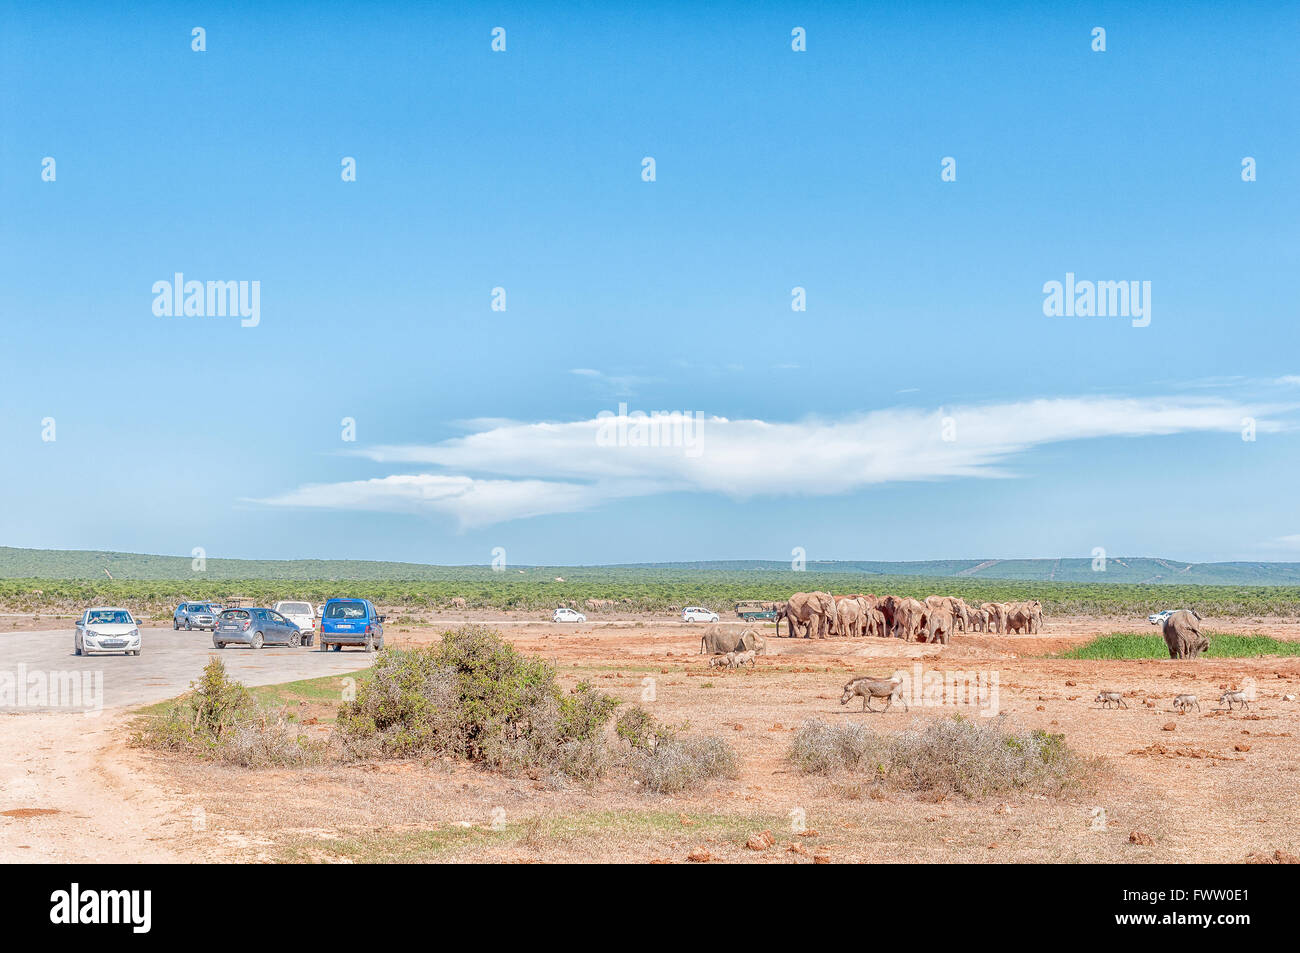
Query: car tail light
[(247, 623), (368, 630)]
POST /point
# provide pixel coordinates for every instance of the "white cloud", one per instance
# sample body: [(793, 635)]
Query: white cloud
[(512, 470)]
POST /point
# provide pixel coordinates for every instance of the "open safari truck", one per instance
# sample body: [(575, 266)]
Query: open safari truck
[(753, 611)]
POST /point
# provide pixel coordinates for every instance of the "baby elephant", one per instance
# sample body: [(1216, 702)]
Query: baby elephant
[(720, 660), (743, 658), (1108, 699), (870, 688), (1238, 697), (1186, 702)]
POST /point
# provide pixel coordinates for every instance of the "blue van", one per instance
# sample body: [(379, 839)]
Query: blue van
[(350, 622)]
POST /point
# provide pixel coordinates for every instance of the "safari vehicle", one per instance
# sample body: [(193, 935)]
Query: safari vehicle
[(350, 622), (751, 610)]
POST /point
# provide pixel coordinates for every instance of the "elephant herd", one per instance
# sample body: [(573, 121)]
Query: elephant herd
[(900, 617)]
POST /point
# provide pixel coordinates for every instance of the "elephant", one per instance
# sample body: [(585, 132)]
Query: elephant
[(888, 606), (938, 625), (1035, 616), (816, 610), (876, 623), (997, 616), (1019, 618), (909, 619), (977, 619), (718, 642), (850, 616), (1183, 635), (954, 605)]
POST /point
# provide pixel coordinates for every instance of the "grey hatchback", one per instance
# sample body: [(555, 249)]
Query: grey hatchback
[(195, 615), (255, 628)]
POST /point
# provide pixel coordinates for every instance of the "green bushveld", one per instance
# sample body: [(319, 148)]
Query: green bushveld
[(641, 590)]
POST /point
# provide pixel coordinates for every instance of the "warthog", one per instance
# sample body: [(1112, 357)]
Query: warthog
[(718, 661), (743, 658), (870, 688), (1184, 702), (1108, 699), (1238, 696)]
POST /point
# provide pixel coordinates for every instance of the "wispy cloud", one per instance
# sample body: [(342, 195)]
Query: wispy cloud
[(512, 470), (616, 385)]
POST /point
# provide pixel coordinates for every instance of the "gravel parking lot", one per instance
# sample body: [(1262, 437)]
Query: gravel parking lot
[(39, 661)]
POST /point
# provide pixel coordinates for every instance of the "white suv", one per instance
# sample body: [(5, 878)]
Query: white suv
[(300, 614), (698, 614), (567, 615)]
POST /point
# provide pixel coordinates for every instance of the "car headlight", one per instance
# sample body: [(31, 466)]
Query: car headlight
[(135, 633)]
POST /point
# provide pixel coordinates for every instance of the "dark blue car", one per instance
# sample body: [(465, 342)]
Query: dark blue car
[(350, 622)]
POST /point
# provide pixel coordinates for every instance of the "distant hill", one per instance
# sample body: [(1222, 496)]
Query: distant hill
[(91, 565)]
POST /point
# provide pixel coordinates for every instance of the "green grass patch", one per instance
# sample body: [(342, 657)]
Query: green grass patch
[(1130, 645), (573, 830)]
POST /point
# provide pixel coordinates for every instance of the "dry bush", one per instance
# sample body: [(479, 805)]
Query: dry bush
[(942, 757), (661, 761)]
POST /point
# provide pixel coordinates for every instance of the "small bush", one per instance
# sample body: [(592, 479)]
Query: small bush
[(682, 763), (218, 720), (943, 757), (819, 748), (663, 762)]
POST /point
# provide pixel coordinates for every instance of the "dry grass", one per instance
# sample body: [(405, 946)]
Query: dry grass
[(1244, 801)]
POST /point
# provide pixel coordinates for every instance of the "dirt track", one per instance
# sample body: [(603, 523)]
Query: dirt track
[(1216, 787)]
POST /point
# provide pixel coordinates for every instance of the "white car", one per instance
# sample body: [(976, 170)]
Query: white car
[(300, 614), (567, 615), (698, 614), (106, 629), (1156, 618)]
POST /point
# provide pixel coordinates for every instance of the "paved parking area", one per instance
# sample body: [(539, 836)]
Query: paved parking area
[(35, 666)]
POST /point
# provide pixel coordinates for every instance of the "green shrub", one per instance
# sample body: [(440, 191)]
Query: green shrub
[(474, 696)]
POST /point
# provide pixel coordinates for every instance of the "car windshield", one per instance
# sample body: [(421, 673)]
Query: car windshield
[(345, 610), (234, 615), (294, 608), (109, 617)]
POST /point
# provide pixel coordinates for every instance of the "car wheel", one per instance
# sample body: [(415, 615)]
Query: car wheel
[(189, 626), (76, 647), (175, 625), (323, 647), (295, 640), (258, 641), (370, 643), (220, 645)]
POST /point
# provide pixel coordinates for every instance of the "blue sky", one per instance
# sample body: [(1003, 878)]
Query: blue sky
[(774, 169)]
